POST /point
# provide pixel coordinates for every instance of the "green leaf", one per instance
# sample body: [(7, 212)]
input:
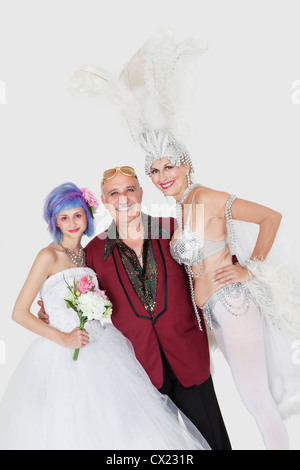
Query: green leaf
[(92, 211), (67, 283), (70, 304), (83, 321)]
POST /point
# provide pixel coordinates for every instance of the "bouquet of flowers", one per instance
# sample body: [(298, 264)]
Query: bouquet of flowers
[(89, 302)]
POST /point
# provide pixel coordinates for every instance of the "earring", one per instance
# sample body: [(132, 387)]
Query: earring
[(188, 179)]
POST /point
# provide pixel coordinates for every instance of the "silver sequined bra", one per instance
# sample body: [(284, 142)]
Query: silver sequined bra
[(191, 250)]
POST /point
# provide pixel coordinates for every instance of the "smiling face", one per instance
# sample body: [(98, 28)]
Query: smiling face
[(168, 178), (72, 223), (122, 196)]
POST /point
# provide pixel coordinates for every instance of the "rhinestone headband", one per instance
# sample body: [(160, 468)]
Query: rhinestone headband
[(160, 144)]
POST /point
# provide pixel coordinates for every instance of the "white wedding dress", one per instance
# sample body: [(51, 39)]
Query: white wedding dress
[(105, 400)]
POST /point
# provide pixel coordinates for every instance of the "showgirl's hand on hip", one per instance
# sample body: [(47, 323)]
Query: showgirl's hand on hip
[(77, 339), (231, 274)]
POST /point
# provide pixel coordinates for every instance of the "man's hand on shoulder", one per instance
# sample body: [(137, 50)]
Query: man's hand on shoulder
[(42, 314)]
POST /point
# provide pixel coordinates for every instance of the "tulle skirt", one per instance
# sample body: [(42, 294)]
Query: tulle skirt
[(105, 400)]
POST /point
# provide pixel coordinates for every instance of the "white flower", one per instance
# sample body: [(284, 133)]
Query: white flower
[(91, 305)]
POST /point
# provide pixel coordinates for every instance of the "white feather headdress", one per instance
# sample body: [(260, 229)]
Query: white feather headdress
[(152, 94)]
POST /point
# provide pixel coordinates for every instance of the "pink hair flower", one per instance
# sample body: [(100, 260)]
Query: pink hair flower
[(90, 199)]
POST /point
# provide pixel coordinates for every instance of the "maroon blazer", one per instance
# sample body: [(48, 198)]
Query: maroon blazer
[(173, 326)]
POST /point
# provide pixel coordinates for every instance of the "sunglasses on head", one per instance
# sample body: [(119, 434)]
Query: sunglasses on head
[(125, 170)]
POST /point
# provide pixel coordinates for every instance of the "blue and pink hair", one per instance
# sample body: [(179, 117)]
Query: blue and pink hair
[(65, 197)]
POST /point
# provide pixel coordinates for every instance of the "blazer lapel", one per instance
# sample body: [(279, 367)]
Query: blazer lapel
[(161, 303)]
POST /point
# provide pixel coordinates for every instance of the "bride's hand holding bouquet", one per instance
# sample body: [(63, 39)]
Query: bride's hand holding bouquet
[(89, 303), (77, 339)]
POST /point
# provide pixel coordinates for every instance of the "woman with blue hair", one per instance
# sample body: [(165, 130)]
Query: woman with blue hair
[(103, 399), (65, 197)]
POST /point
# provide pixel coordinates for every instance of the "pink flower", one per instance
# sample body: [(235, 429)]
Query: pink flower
[(86, 283), (90, 198), (101, 293)]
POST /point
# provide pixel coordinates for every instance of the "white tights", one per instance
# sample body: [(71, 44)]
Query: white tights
[(241, 341)]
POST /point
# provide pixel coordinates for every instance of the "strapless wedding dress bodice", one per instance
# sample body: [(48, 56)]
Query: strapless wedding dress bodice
[(53, 293)]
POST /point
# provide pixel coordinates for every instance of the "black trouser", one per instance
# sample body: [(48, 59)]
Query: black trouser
[(199, 403)]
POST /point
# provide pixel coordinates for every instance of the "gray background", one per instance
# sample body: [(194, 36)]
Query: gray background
[(246, 112)]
